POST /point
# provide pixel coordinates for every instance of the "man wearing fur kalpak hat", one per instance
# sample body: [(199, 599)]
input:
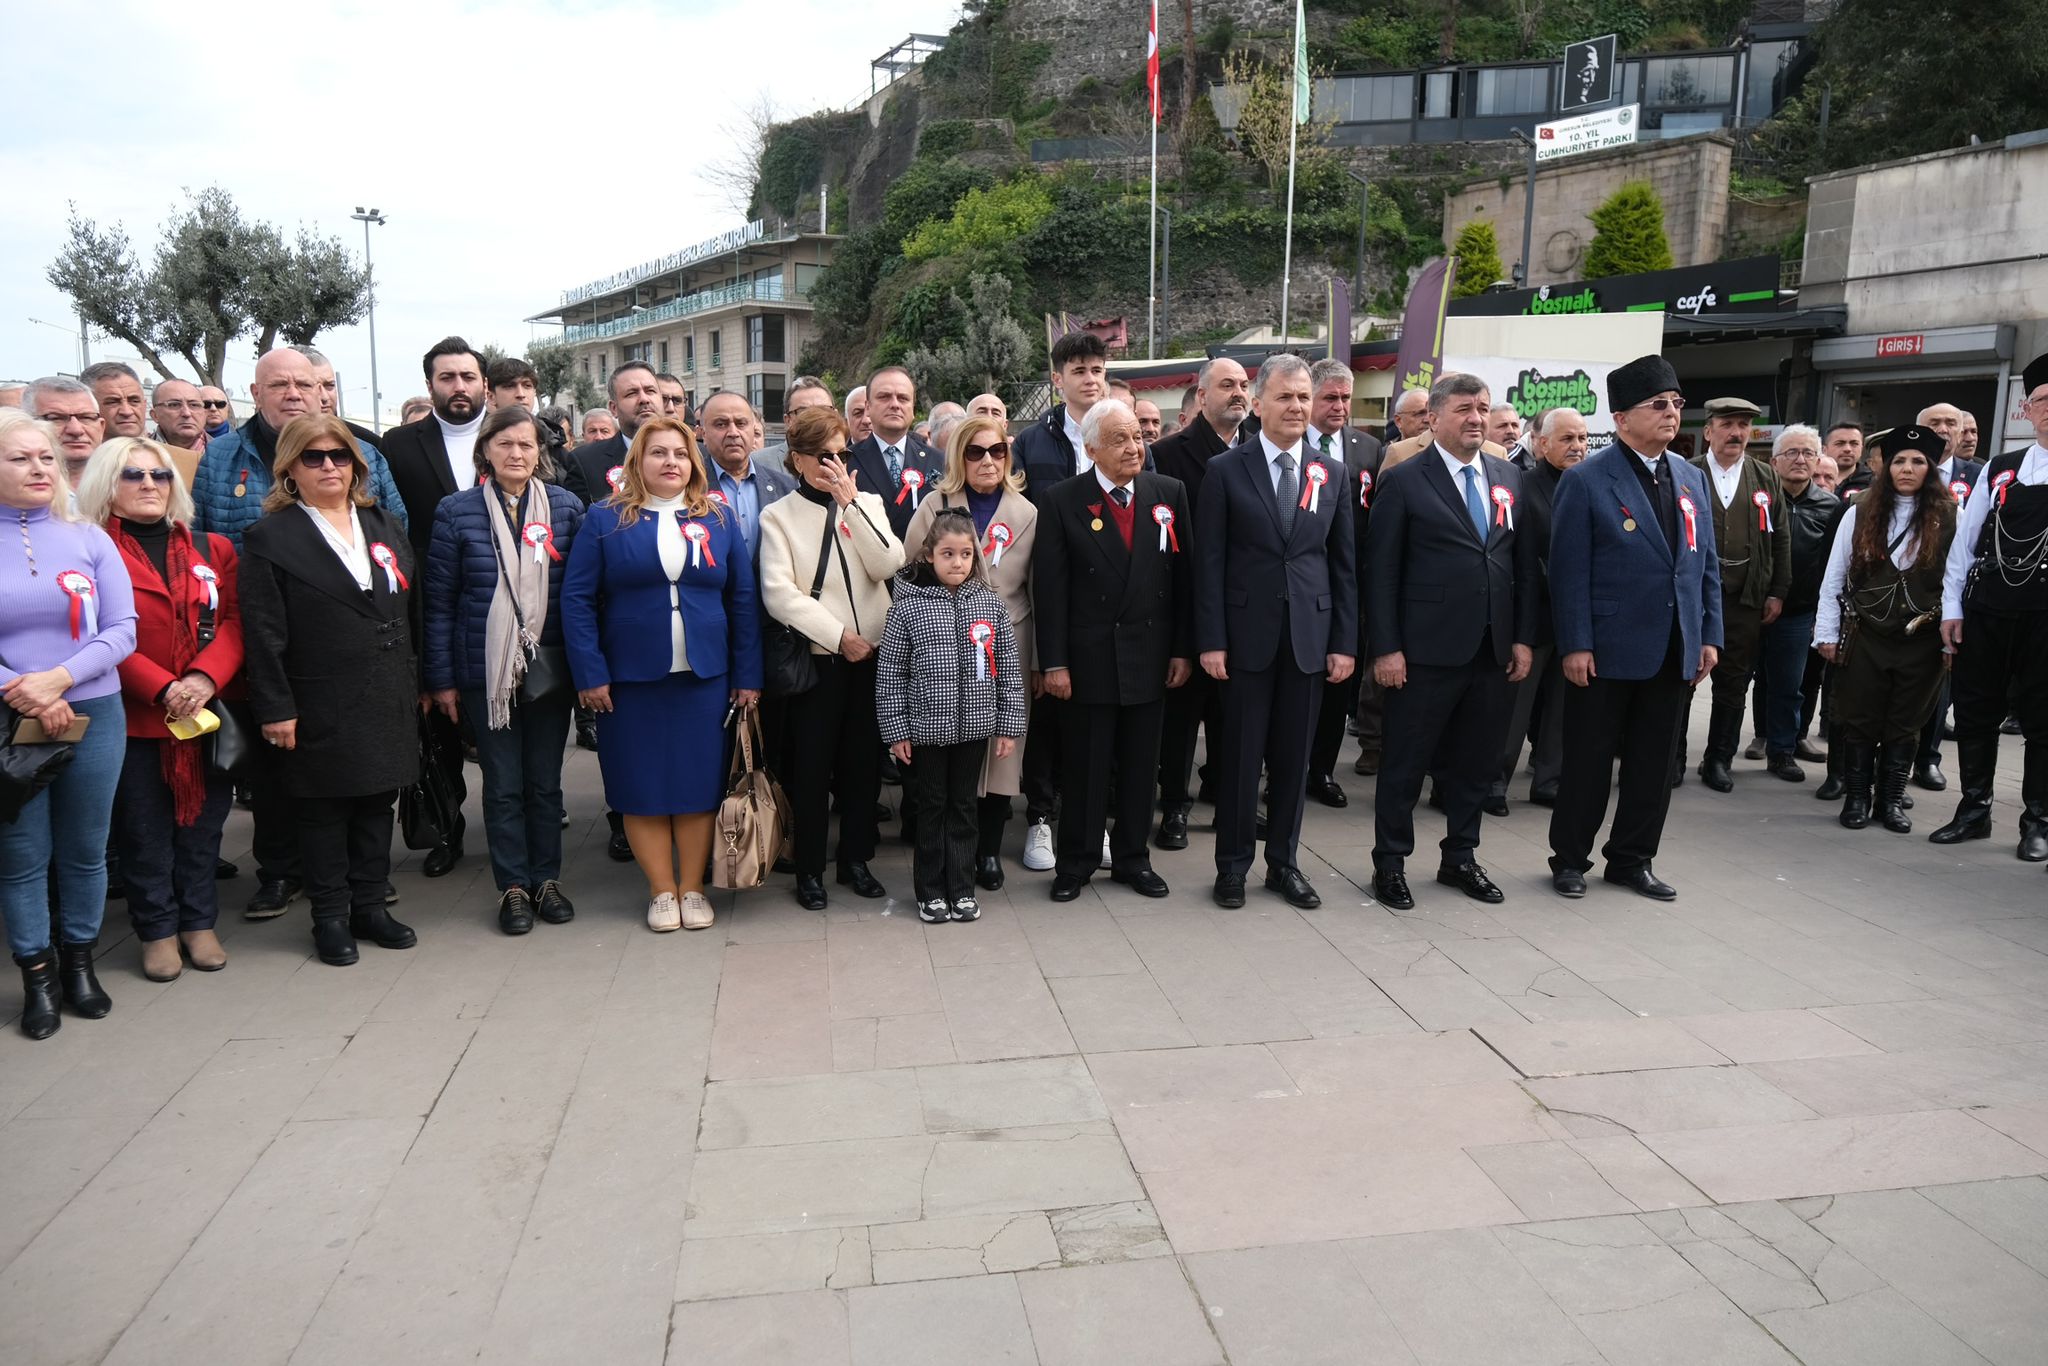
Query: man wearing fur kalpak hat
[(1994, 617), (1635, 589)]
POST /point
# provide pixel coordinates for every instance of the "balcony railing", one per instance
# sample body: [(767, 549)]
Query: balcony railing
[(703, 301)]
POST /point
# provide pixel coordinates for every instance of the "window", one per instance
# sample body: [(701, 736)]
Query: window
[(764, 339), (1437, 87), (1511, 90), (604, 372), (690, 354), (664, 358), (765, 393), (1366, 99), (1688, 82), (715, 362)]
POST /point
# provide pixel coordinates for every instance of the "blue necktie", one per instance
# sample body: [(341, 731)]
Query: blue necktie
[(1474, 504), (895, 460)]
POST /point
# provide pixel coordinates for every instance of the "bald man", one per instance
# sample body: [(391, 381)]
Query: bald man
[(989, 405)]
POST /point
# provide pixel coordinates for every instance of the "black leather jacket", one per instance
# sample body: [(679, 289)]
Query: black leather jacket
[(1813, 516)]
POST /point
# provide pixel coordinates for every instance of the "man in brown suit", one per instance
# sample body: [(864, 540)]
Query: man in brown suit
[(1753, 535)]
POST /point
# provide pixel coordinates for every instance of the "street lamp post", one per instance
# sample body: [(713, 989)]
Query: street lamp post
[(366, 217)]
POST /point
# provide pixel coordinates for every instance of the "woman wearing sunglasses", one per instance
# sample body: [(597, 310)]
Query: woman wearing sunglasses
[(981, 480), (327, 604), (188, 649)]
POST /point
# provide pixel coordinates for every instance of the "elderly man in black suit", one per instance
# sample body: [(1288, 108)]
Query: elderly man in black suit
[(894, 461), (635, 398), (1276, 613), (1335, 439), (1453, 580), (1112, 587), (1558, 441)]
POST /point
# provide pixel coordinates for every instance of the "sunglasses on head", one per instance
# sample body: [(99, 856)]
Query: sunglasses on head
[(313, 460), (131, 475), (999, 451)]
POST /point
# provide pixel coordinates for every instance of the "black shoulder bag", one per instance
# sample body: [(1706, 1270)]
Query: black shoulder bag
[(787, 665), (25, 768), (547, 668)]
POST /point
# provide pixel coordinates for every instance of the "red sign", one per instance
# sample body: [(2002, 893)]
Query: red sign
[(1911, 344)]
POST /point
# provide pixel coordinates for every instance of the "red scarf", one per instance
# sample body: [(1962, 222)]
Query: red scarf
[(184, 762)]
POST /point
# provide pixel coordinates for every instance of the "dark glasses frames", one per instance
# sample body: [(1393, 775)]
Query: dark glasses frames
[(999, 451), (313, 460), (215, 402), (131, 475)]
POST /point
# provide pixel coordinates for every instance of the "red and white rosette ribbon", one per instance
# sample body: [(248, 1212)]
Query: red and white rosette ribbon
[(1762, 499), (1503, 507), (1692, 538), (616, 477), (1959, 490), (999, 538), (717, 496), (2001, 484), (85, 607), (984, 637), (209, 583), (699, 537), (913, 480), (1365, 488), (387, 560), (540, 537), (1168, 537), (1312, 480)]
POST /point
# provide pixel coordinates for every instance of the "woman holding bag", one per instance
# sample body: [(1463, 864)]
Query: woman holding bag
[(492, 647), (188, 652)]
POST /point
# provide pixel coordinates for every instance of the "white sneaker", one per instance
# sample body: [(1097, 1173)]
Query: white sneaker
[(1038, 847), (663, 914), (1105, 849), (696, 911)]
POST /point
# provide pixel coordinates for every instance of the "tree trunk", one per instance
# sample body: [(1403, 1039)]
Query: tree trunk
[(1450, 30)]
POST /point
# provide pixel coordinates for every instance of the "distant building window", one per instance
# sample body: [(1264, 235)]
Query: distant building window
[(764, 339), (715, 363), (765, 393), (1437, 90), (664, 357), (1688, 82), (1511, 90), (604, 372), (1366, 99), (690, 354)]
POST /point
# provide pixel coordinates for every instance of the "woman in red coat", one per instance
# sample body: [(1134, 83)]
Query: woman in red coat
[(188, 649)]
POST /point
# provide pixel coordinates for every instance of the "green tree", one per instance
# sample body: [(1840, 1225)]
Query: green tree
[(554, 366), (993, 350), (1628, 235), (983, 220), (1478, 254)]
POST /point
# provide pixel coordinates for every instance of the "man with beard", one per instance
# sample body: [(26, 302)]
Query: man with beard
[(592, 466), (123, 411), (1223, 399), (330, 394), (180, 419), (1338, 442), (1151, 422)]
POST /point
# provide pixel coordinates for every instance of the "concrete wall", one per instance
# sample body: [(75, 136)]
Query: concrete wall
[(1086, 43), (1689, 174)]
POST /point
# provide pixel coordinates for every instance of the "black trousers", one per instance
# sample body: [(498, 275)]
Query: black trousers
[(274, 823), (1930, 734), (1449, 721), (1340, 700), (832, 727), (1539, 716), (939, 787), (1110, 751), (992, 813), (1196, 704), (1041, 777), (168, 868), (449, 748), (1743, 631), (345, 852), (1818, 678), (1269, 716), (1887, 687), (2001, 669), (1372, 708), (1638, 720)]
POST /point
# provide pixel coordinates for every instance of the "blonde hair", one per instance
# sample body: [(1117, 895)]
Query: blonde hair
[(298, 437), (13, 420), (955, 478), (631, 496), (103, 471)]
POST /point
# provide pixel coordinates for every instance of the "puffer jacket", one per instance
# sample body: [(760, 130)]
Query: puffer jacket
[(462, 576), (929, 689), (232, 462)]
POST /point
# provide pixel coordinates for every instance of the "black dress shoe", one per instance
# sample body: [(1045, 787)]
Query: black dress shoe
[(551, 905), (1367, 763), (586, 734), (1173, 830), (1472, 880), (1831, 788), (335, 945), (377, 926), (810, 891), (620, 849), (988, 874), (1293, 889), (1144, 882), (1786, 767), (1436, 798), (857, 876), (1569, 883), (1642, 882), (1229, 890), (2034, 844), (1930, 776), (82, 990), (515, 911), (223, 871), (1324, 789), (1496, 803), (1390, 888), (441, 860), (1067, 887), (2010, 726), (271, 899), (883, 815), (1714, 773), (1543, 796)]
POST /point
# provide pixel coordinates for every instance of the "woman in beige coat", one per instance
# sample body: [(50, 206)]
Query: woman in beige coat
[(981, 480), (833, 737)]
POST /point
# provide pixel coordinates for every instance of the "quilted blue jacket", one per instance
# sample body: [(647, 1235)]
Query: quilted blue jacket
[(461, 576), (232, 462)]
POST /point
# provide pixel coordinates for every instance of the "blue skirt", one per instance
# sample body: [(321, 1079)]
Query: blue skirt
[(661, 747)]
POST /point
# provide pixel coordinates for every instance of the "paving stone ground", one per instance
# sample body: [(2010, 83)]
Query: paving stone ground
[(1800, 1115)]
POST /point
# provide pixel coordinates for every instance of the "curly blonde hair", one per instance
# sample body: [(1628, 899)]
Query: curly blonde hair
[(631, 496)]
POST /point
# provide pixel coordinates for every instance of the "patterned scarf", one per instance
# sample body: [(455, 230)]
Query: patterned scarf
[(184, 761)]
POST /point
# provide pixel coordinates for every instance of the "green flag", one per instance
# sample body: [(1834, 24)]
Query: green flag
[(1300, 64)]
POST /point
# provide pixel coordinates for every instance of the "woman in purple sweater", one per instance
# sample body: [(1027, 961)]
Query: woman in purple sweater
[(69, 623)]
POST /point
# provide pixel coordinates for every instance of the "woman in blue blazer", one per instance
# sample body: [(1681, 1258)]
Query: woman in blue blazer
[(663, 635)]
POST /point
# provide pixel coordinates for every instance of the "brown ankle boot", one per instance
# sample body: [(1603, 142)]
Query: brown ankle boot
[(161, 961), (203, 947)]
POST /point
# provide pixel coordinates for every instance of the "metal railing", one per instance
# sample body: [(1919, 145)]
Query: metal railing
[(703, 301)]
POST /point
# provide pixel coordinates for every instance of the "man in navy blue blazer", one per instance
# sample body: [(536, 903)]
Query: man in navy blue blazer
[(1635, 590)]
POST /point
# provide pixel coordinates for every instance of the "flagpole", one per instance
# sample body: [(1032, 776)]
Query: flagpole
[(1152, 255), (1293, 127)]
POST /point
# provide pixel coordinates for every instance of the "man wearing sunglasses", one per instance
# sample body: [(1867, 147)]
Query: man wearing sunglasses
[(219, 412), (1635, 592)]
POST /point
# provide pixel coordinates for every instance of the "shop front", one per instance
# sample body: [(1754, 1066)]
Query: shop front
[(1884, 380)]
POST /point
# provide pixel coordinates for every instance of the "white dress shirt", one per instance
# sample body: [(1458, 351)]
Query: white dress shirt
[(1110, 486), (1273, 454), (352, 550), (1725, 480), (1082, 462), (1827, 622), (461, 444), (1970, 525)]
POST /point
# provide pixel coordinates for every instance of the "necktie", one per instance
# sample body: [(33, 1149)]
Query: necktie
[(1326, 443), (1286, 493), (1122, 496), (1667, 508), (895, 459), (1475, 506)]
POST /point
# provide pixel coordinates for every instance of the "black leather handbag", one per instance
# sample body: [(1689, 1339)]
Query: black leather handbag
[(788, 667)]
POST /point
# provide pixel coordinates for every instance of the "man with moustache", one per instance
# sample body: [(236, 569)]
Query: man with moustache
[(635, 398), (1559, 441), (180, 418), (118, 389), (1338, 442), (1151, 422), (675, 399), (598, 425), (741, 478), (1504, 429), (1966, 438), (1785, 648), (70, 406)]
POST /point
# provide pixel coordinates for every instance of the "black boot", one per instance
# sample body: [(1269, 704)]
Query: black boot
[(332, 941), (2034, 792), (1831, 789), (1856, 763), (1977, 758), (39, 1017), (1891, 789), (377, 926), (82, 990), (1724, 732)]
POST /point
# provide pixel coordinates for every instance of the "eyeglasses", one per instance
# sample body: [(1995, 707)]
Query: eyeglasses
[(131, 475), (1663, 405), (61, 419), (178, 405), (1799, 455), (215, 402), (314, 460), (974, 454)]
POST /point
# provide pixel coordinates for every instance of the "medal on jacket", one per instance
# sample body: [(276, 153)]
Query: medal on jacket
[(999, 538), (1095, 512), (1312, 482), (1762, 499), (1503, 507), (85, 608), (1163, 515), (616, 477), (699, 538), (241, 483), (913, 480), (541, 537), (1365, 488), (2001, 484), (394, 579), (209, 583), (1685, 505), (1960, 491), (1628, 519), (984, 637)]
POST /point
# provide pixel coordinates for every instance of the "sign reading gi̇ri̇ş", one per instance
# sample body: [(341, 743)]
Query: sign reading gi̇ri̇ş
[(1588, 132)]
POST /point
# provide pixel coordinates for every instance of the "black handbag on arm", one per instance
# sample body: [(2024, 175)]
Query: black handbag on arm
[(25, 768), (787, 665)]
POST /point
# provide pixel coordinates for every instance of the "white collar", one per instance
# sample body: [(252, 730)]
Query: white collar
[(901, 443), (1273, 452), (1110, 486), (468, 428)]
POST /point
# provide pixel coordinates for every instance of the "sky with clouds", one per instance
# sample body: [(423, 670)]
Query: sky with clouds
[(518, 147)]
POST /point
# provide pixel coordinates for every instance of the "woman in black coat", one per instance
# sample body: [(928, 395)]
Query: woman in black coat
[(327, 609)]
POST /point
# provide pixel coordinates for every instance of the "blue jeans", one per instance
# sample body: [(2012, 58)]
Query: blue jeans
[(1782, 666), (522, 787), (64, 829)]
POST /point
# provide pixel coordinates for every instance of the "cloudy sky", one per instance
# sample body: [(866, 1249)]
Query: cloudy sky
[(518, 148)]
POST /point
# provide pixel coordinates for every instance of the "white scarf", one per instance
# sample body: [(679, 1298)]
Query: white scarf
[(509, 645)]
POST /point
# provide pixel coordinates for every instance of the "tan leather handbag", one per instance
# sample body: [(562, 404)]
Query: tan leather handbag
[(753, 820)]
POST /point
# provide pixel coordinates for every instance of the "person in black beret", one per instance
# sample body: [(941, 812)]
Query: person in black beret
[(1994, 617), (1635, 591)]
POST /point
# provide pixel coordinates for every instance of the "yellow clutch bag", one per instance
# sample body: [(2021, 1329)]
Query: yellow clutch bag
[(201, 722)]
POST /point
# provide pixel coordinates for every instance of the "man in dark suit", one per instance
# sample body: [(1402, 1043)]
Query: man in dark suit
[(1112, 584), (1452, 576), (1223, 399), (635, 398), (1558, 438), (1960, 472), (1635, 588), (1335, 439), (1276, 612), (894, 461)]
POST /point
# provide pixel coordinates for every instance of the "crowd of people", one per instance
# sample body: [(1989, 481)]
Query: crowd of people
[(318, 618)]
